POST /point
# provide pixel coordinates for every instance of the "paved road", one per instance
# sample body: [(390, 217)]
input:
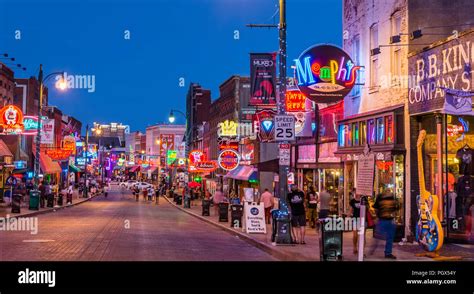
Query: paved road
[(97, 230)]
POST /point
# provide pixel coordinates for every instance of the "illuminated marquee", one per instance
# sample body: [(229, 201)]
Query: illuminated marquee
[(227, 129), (295, 101), (11, 119), (325, 73), (206, 166), (30, 124), (228, 159), (58, 154), (264, 126)]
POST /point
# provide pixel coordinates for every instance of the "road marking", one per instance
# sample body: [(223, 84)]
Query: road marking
[(37, 241)]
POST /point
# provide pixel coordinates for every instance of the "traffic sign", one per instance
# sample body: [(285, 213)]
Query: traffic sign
[(284, 128), (284, 154), (11, 181)]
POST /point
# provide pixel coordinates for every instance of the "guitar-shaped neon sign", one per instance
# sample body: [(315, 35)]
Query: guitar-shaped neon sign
[(429, 232)]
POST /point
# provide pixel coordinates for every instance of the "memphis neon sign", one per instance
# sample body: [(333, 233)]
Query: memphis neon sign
[(325, 73)]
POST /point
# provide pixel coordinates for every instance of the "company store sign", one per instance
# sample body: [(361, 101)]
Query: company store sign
[(444, 69), (11, 120), (228, 159)]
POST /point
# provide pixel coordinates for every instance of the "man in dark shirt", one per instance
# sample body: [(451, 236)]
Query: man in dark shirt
[(298, 215), (355, 213), (385, 206)]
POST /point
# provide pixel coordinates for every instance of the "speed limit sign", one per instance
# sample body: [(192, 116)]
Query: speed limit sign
[(284, 128)]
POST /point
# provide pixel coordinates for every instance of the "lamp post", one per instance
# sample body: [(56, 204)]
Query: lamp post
[(42, 80), (98, 132)]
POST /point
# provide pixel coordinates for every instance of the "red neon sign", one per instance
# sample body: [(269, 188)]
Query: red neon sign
[(11, 119), (206, 166), (295, 101), (228, 159), (58, 154)]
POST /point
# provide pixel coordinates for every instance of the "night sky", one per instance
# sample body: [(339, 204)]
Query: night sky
[(137, 80)]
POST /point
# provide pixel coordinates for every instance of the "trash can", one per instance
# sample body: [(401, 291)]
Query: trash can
[(50, 200), (330, 242), (187, 201), (60, 199), (179, 200), (281, 227), (175, 198), (236, 212), (223, 212), (206, 207), (16, 202), (34, 200)]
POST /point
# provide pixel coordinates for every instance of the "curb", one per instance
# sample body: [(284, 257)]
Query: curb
[(54, 209), (260, 245)]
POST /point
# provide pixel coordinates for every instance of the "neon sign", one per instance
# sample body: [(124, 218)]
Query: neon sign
[(227, 129), (58, 154), (228, 159), (11, 119), (295, 101), (206, 166), (265, 126), (325, 73)]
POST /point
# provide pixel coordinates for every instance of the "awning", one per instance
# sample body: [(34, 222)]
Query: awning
[(4, 151), (243, 173), (74, 168), (135, 169), (48, 166)]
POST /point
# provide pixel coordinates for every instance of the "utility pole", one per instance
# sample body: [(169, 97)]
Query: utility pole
[(85, 165), (283, 170)]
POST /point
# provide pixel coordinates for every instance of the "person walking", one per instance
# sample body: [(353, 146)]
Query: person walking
[(312, 198), (268, 203), (157, 195), (324, 202), (218, 198), (298, 214), (385, 207), (69, 192), (354, 204)]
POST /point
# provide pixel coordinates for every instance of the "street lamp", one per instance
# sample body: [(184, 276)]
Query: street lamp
[(172, 118), (42, 80), (98, 132)]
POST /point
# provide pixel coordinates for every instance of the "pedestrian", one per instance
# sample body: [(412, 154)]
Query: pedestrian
[(106, 191), (298, 214), (218, 198), (312, 198), (385, 207), (157, 195), (354, 204), (324, 202), (268, 203), (136, 193), (145, 193), (70, 190)]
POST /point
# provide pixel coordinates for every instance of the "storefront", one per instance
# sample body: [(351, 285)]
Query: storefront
[(240, 179), (380, 133), (440, 103)]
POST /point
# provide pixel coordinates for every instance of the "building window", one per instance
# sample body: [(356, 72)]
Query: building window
[(396, 50), (380, 130), (363, 133), (355, 134), (374, 62), (371, 131), (341, 136), (389, 129)]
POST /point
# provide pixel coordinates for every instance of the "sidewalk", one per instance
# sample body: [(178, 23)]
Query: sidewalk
[(310, 251), (5, 209)]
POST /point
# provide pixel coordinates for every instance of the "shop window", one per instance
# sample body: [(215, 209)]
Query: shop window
[(341, 136), (380, 130), (363, 133), (355, 134), (348, 134), (371, 131), (389, 129)]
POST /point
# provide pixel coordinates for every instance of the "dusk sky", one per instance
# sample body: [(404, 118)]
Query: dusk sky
[(137, 80)]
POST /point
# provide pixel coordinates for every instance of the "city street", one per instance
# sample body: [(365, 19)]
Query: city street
[(96, 231)]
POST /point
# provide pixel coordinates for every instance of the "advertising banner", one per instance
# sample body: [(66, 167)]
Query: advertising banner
[(262, 79), (254, 218), (365, 174), (47, 131), (167, 143)]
